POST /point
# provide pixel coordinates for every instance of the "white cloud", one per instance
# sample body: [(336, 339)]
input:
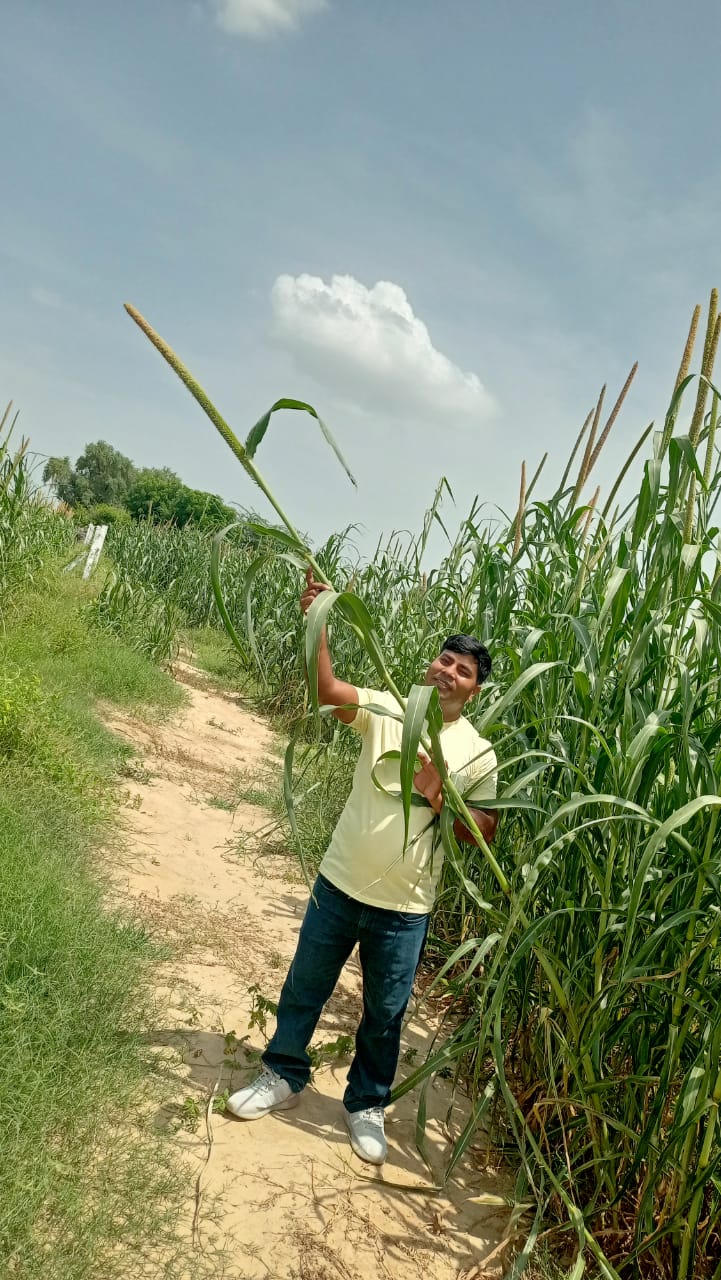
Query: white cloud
[(45, 297), (263, 17), (369, 346)]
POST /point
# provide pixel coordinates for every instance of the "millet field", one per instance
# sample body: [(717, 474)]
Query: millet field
[(578, 959)]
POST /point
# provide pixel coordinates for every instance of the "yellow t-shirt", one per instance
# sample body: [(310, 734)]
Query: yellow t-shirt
[(365, 856)]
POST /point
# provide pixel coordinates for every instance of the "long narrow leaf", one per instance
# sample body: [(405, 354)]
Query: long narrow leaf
[(414, 722), (218, 592), (315, 625)]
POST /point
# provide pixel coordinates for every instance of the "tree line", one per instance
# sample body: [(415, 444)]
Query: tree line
[(105, 487)]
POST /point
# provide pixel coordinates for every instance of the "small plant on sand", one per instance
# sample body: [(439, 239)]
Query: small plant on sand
[(190, 1114), (260, 1010), (329, 1051)]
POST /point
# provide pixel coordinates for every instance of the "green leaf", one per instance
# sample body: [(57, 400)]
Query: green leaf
[(419, 700), (258, 431), (480, 948), (683, 444), (352, 608), (218, 591), (250, 575), (679, 819), (290, 557), (668, 828), (647, 500), (470, 1129), (289, 802), (315, 622), (453, 853), (615, 582), (416, 797), (278, 535), (492, 714), (583, 801)]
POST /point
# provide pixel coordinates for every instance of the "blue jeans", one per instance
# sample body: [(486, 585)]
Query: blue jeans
[(390, 947)]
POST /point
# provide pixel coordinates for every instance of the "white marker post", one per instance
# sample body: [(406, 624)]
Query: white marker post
[(96, 548), (79, 559)]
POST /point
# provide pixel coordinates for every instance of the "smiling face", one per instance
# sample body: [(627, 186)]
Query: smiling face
[(455, 676)]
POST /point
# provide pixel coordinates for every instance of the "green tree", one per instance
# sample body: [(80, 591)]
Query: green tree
[(154, 495), (107, 473), (104, 477), (101, 474), (206, 510), (159, 495), (58, 473)]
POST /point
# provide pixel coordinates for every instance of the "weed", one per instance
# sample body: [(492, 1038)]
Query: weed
[(260, 1009), (190, 1114), (137, 771), (330, 1051), (219, 1102), (231, 1044), (220, 802)]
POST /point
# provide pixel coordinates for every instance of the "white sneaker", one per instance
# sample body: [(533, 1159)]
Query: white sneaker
[(365, 1130), (268, 1092)]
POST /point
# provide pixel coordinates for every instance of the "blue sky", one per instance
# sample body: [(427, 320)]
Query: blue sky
[(445, 225)]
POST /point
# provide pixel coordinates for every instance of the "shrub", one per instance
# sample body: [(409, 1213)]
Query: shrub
[(103, 513)]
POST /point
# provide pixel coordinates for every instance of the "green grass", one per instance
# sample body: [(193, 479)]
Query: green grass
[(46, 630), (31, 532), (544, 1266), (213, 653), (87, 1188)]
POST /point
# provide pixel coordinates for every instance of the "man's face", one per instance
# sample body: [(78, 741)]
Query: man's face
[(455, 676)]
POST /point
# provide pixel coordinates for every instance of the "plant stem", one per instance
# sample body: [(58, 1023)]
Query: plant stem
[(224, 430)]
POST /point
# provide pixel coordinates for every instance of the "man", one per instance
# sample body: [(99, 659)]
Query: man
[(369, 891)]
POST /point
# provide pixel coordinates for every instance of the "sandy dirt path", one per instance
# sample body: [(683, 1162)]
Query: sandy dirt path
[(283, 1196)]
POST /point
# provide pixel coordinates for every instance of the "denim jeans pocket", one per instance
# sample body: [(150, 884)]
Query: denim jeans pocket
[(412, 919), (331, 888)]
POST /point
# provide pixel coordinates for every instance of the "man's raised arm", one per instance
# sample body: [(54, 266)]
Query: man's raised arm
[(331, 691)]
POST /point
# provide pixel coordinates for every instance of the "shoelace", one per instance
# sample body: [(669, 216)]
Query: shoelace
[(266, 1082), (374, 1115)]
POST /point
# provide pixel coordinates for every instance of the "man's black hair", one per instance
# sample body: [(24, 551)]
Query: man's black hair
[(473, 649)]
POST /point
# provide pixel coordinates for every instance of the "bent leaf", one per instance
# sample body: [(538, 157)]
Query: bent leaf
[(257, 432)]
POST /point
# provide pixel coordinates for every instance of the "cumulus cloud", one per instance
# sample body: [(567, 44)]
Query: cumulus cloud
[(263, 17), (370, 346)]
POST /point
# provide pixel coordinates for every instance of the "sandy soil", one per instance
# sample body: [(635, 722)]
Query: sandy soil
[(283, 1196)]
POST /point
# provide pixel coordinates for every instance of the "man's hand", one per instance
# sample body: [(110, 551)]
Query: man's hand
[(428, 781), (312, 589), (485, 819), (331, 692)]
